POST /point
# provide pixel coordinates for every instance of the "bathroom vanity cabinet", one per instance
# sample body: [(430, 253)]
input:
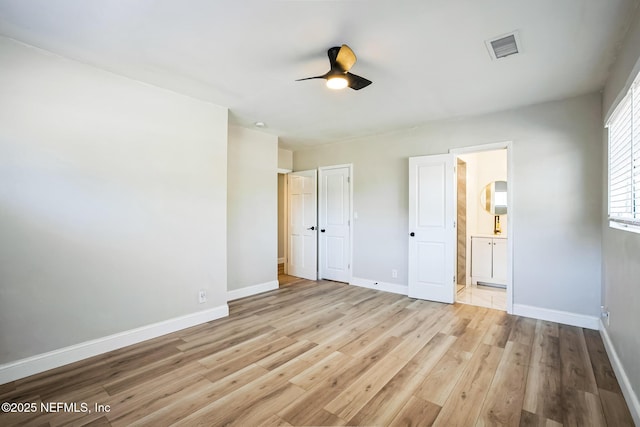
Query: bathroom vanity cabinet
[(489, 260)]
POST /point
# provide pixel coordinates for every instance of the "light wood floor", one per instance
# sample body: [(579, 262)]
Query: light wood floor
[(325, 353)]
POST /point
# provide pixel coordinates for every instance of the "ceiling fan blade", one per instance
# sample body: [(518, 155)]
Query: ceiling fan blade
[(310, 78), (333, 54), (345, 58), (357, 82)]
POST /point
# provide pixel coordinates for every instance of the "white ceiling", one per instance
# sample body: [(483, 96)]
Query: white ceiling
[(427, 58)]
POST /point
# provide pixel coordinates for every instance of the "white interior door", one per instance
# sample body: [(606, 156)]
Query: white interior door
[(431, 228), (334, 221), (303, 238)]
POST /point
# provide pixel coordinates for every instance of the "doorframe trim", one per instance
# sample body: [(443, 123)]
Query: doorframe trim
[(285, 220), (508, 145), (320, 172)]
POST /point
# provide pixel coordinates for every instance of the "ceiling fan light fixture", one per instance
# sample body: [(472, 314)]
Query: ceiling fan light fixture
[(338, 77), (337, 82)]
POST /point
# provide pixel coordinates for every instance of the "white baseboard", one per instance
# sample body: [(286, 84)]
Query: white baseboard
[(625, 384), (564, 317), (380, 286), (63, 356), (252, 290), (281, 260)]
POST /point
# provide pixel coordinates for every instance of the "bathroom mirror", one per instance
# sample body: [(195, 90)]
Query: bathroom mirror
[(493, 197)]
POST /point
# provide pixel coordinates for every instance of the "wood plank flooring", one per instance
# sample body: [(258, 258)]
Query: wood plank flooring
[(325, 353)]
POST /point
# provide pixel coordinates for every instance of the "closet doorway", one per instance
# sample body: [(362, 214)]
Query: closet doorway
[(282, 223), (330, 224)]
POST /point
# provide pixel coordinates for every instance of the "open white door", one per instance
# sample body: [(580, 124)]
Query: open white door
[(334, 223), (431, 228), (303, 237)]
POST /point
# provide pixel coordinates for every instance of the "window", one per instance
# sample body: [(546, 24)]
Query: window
[(624, 161)]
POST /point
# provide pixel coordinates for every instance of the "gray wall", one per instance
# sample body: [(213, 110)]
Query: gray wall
[(252, 241), (621, 249), (112, 203), (556, 215)]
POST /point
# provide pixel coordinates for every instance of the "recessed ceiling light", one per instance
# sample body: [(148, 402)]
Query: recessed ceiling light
[(259, 124)]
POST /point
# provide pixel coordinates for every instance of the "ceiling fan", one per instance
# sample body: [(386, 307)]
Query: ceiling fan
[(341, 60)]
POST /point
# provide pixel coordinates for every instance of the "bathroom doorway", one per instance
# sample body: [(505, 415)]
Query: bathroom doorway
[(483, 247)]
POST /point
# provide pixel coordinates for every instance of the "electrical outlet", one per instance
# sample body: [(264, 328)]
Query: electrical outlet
[(394, 273), (202, 296), (605, 314)]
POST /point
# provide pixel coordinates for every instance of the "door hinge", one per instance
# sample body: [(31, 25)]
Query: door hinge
[(454, 279), (454, 223), (348, 179), (349, 222), (348, 266)]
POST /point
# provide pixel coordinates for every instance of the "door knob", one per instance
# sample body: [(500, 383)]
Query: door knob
[(412, 234), (322, 230), (311, 228)]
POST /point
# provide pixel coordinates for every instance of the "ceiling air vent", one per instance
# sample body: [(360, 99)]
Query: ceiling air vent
[(503, 46)]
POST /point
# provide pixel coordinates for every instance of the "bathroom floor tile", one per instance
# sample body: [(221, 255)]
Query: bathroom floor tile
[(483, 296)]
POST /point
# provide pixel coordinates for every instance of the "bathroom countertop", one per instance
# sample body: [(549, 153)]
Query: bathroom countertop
[(494, 236)]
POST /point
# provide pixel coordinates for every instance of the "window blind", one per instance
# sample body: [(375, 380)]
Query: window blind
[(624, 159)]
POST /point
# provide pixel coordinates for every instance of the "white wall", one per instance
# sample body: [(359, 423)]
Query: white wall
[(285, 163), (557, 194), (252, 239), (621, 249), (285, 159), (112, 203), (281, 214)]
